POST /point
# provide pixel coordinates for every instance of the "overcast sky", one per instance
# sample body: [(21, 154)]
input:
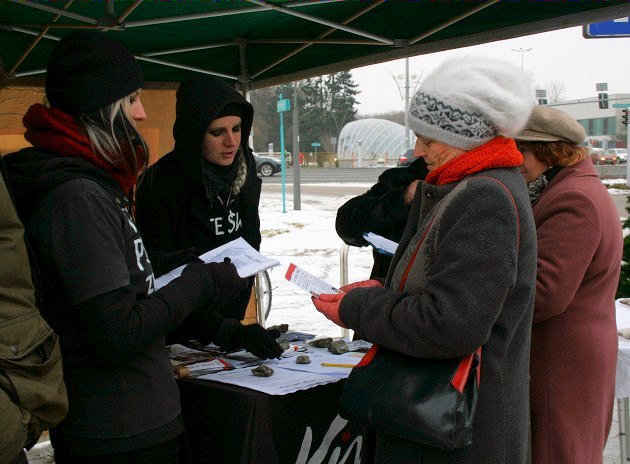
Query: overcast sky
[(561, 56)]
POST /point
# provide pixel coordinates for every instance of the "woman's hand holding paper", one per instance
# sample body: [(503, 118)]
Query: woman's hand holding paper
[(328, 305)]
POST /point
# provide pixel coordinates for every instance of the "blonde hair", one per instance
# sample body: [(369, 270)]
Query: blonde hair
[(114, 137)]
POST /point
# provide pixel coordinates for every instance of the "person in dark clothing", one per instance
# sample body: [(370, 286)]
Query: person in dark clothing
[(204, 194), (382, 210), (72, 191)]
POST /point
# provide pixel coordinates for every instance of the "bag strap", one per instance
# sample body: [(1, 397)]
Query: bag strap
[(518, 221), (472, 362)]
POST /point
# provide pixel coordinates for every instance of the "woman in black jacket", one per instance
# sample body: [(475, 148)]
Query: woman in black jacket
[(382, 210), (72, 191), (204, 194)]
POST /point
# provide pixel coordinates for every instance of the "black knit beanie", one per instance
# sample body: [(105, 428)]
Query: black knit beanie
[(87, 71)]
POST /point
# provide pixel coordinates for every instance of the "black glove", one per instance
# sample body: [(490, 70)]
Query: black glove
[(164, 262), (258, 341), (228, 282), (253, 338)]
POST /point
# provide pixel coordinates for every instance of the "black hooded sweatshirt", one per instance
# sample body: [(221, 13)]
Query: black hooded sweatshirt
[(96, 291), (380, 210), (176, 210)]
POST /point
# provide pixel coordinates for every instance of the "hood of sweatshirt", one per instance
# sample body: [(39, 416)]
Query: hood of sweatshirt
[(199, 100), (31, 173)]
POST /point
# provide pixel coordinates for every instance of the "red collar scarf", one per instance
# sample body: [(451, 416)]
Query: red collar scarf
[(53, 130), (500, 152)]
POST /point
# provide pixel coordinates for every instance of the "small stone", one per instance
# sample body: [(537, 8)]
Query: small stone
[(321, 342), (303, 359), (262, 371), (338, 347), (282, 328), (284, 344)]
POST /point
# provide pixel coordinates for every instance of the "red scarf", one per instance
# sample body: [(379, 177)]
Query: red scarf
[(53, 130), (500, 152)]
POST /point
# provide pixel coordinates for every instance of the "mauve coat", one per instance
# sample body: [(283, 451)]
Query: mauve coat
[(574, 339)]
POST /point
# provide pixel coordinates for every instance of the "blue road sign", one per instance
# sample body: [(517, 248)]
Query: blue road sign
[(621, 105), (615, 28), (283, 105), (316, 144)]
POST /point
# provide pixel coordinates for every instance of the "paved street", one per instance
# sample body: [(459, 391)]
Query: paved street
[(317, 181)]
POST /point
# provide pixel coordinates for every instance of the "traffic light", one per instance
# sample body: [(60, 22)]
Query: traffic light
[(624, 117), (603, 101)]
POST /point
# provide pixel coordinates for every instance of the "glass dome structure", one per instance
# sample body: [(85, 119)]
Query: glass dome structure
[(371, 142)]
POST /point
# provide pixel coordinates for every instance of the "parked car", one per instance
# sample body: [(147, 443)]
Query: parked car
[(407, 158), (266, 166), (621, 153), (601, 156)]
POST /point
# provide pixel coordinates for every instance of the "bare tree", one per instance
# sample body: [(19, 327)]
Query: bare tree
[(555, 91)]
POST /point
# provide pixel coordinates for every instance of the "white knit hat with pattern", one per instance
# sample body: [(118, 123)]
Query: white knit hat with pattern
[(468, 101)]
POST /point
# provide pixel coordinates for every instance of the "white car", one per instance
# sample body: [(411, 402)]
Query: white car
[(621, 153)]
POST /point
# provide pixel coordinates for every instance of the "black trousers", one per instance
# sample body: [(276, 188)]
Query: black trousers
[(171, 452), (20, 459)]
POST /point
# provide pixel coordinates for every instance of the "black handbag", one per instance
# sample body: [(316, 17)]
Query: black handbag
[(428, 401)]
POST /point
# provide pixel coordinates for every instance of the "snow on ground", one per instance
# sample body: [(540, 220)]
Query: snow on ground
[(621, 180), (308, 239), (612, 191)]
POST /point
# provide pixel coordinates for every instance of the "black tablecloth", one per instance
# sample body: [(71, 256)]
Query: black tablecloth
[(226, 424)]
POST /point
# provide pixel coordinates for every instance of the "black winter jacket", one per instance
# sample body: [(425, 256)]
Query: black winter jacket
[(174, 208), (98, 295), (380, 210)]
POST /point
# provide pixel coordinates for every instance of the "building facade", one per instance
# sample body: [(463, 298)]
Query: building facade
[(603, 126)]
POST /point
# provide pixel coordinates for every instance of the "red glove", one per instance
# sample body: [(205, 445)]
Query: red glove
[(328, 305), (362, 284)]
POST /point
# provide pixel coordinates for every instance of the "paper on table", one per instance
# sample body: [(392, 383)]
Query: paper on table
[(308, 282), (319, 357), (282, 382), (381, 244), (246, 259)]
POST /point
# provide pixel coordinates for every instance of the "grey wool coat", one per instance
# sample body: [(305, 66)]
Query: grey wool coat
[(470, 284)]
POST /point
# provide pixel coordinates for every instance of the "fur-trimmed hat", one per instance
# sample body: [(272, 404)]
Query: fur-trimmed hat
[(468, 101), (551, 125)]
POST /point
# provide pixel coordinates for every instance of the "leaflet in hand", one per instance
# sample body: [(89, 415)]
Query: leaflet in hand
[(247, 260), (308, 282), (381, 244)]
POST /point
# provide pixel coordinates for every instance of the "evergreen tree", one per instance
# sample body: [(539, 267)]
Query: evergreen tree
[(266, 128), (312, 112), (341, 91), (327, 103)]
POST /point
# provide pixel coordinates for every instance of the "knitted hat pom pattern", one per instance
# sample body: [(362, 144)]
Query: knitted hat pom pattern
[(468, 101)]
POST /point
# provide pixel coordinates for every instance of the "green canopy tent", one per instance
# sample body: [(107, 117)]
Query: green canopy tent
[(258, 43)]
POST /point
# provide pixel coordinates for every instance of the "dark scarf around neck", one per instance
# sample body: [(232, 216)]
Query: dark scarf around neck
[(536, 187), (218, 179)]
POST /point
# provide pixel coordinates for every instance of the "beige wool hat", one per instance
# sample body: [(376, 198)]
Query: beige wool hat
[(547, 124)]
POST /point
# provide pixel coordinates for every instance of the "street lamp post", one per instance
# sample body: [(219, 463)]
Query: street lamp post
[(409, 81), (522, 52)]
